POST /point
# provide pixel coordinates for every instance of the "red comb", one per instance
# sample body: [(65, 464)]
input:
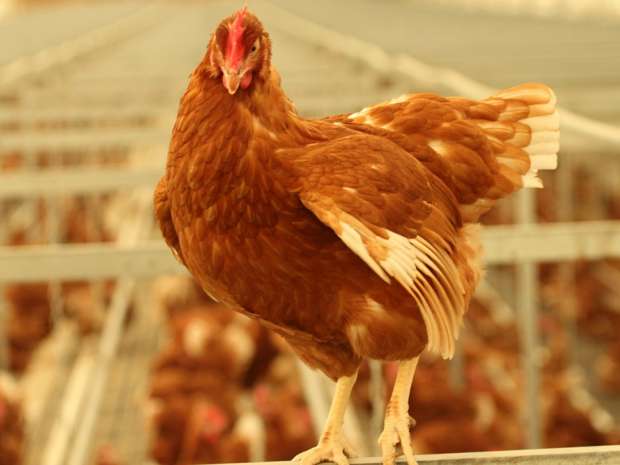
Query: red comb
[(239, 15), (234, 44), (262, 398), (215, 422)]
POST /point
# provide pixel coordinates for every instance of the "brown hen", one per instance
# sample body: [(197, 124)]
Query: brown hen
[(354, 236)]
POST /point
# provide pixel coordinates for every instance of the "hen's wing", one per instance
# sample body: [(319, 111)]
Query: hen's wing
[(393, 214), (164, 218), (483, 150)]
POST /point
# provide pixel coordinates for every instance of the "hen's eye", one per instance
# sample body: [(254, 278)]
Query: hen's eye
[(254, 48)]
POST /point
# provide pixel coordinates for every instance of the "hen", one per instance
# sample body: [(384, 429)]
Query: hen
[(354, 236)]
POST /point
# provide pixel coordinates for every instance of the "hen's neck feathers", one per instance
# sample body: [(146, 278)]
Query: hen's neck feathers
[(265, 100), (228, 142), (265, 107)]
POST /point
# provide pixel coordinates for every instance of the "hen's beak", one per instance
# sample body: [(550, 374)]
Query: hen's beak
[(231, 80)]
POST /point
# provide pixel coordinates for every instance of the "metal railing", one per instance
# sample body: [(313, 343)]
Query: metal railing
[(503, 244), (602, 455)]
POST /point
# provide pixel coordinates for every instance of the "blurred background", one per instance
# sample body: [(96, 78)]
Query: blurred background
[(110, 355)]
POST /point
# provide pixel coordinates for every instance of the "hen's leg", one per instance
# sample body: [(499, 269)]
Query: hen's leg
[(397, 419), (332, 446)]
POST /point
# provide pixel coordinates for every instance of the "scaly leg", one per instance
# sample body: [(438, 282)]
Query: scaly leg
[(332, 446), (397, 419)]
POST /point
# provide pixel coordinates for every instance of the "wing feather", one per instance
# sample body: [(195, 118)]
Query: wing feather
[(164, 218), (486, 149), (417, 251)]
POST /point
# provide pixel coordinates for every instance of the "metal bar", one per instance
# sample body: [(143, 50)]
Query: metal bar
[(568, 276), (503, 244), (81, 180), (34, 116), (113, 97), (82, 140), (527, 306), (86, 261), (556, 242), (599, 455)]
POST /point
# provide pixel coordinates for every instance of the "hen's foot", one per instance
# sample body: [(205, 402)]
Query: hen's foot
[(331, 448), (396, 431)]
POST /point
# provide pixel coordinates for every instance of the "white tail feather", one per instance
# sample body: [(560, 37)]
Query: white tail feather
[(531, 179), (544, 123), (544, 162)]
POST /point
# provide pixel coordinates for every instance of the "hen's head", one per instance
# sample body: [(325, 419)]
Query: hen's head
[(239, 51)]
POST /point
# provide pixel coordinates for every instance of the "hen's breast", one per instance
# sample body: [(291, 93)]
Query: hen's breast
[(284, 271), (298, 275)]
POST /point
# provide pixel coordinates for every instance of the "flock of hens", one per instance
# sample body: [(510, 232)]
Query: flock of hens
[(364, 210)]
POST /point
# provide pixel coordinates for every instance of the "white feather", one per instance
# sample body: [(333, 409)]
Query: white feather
[(353, 240), (544, 162), (543, 123), (543, 148)]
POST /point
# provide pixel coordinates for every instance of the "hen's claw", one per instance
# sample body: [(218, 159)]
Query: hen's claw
[(396, 432), (330, 449)]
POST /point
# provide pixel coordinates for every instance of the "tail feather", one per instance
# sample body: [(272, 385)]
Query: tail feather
[(522, 126), (536, 133)]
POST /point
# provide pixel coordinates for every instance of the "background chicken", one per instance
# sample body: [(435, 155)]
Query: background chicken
[(11, 423), (352, 236), (222, 389), (29, 321)]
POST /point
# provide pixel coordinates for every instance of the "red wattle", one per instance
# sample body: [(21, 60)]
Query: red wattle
[(246, 80)]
